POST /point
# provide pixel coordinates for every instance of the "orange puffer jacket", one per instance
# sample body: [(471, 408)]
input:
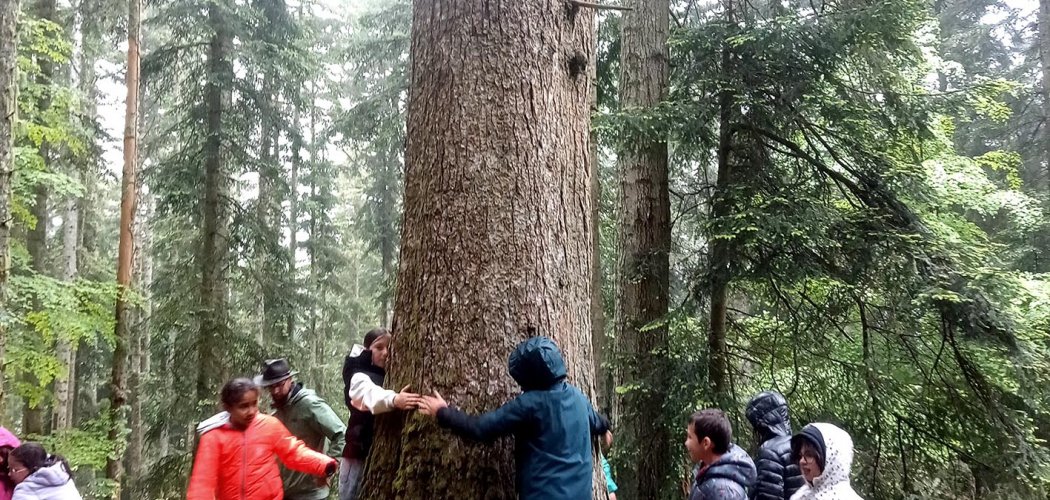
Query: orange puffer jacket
[(239, 465)]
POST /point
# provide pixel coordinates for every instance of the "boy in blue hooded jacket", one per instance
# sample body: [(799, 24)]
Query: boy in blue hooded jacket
[(552, 422)]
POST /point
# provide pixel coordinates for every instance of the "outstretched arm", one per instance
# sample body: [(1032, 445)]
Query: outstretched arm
[(599, 424), (502, 421), (295, 455), (204, 479), (366, 395)]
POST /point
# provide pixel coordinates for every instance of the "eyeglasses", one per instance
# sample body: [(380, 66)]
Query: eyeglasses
[(15, 471)]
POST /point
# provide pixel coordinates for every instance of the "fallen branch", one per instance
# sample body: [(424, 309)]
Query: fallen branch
[(598, 6)]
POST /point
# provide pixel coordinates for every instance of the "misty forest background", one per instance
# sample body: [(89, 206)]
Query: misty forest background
[(845, 200)]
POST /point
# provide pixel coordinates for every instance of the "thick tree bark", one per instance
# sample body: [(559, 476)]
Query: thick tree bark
[(33, 420), (644, 245), (8, 92), (496, 242), (214, 243), (126, 248)]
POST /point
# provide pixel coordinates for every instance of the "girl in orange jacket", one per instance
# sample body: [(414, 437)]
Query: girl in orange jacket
[(235, 459)]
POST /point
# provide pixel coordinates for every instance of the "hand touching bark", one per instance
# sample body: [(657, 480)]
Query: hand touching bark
[(429, 405), (406, 400)]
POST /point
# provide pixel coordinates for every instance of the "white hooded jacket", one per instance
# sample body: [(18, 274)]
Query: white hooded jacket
[(833, 483), (47, 483)]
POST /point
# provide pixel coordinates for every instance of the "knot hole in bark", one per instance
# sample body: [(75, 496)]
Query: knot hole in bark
[(577, 64), (571, 9)]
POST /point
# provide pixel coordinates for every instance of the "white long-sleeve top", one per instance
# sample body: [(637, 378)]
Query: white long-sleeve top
[(365, 395)]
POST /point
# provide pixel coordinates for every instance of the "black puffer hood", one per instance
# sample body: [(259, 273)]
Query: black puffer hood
[(768, 414), (536, 364)]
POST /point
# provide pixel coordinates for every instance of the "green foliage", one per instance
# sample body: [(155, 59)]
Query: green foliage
[(874, 267)]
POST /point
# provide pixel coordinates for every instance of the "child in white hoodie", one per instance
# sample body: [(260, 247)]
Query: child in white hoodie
[(40, 476), (824, 454)]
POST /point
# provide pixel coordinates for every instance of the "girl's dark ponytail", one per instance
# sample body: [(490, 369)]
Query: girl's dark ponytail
[(34, 457)]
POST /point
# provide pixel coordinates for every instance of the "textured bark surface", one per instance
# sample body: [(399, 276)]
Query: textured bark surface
[(643, 267), (8, 91), (214, 242), (496, 241)]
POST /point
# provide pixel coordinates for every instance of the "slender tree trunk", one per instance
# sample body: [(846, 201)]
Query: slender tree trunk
[(264, 238), (86, 405), (63, 346), (644, 244), (214, 230), (91, 40), (720, 258), (314, 212), (388, 232), (33, 421), (8, 100), (72, 239), (136, 458), (126, 249), (601, 385), (293, 217), (1044, 54), (496, 243)]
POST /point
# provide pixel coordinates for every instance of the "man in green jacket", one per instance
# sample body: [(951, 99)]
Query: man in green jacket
[(309, 418)]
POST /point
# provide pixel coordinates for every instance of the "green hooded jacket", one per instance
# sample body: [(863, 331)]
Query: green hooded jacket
[(309, 418)]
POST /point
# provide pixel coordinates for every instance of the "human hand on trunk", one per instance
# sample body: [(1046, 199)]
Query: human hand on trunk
[(406, 400), (429, 405)]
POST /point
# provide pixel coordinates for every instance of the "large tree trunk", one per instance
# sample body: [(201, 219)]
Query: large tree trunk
[(8, 92), (126, 248), (214, 244), (644, 245), (496, 236)]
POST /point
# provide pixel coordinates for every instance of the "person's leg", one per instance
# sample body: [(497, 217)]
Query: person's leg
[(349, 478)]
